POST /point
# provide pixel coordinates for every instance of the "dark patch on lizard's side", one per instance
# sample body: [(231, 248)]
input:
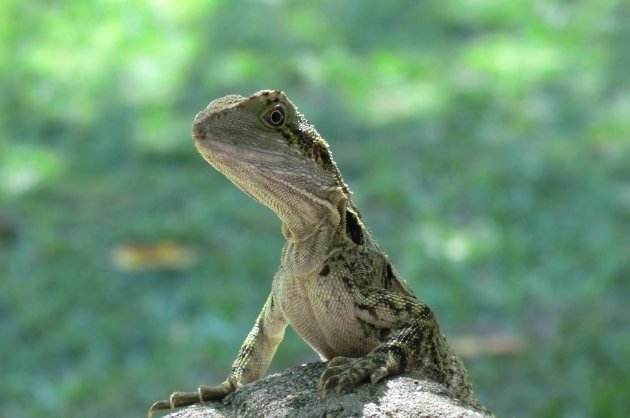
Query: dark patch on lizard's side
[(353, 228), (369, 308), (369, 330), (397, 351), (389, 277), (325, 271)]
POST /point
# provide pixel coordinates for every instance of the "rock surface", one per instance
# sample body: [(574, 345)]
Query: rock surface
[(293, 393)]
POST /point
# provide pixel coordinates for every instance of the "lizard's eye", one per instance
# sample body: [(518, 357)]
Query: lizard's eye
[(275, 117)]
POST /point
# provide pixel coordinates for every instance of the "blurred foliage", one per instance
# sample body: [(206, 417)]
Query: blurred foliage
[(487, 144)]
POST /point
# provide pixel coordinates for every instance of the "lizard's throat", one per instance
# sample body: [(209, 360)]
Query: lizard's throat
[(304, 201), (303, 208)]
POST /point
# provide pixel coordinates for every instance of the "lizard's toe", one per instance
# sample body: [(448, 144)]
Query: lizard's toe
[(346, 381), (329, 384), (339, 361), (379, 374), (343, 373), (333, 368)]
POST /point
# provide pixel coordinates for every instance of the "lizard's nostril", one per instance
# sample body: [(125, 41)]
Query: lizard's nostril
[(199, 130)]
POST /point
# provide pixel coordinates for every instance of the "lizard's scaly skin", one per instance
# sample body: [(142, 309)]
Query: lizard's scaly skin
[(335, 286)]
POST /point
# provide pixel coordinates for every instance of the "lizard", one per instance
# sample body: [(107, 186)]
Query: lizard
[(335, 286)]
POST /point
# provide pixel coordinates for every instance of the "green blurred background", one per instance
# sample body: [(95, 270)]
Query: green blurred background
[(487, 144)]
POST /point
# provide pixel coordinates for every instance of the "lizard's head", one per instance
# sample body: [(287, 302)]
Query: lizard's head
[(269, 150)]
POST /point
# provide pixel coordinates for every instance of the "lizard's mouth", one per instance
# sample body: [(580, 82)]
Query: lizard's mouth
[(200, 128), (239, 153), (212, 147)]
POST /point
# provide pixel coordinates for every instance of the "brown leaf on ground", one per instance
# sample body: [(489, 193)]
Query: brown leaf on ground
[(493, 344), (161, 255)]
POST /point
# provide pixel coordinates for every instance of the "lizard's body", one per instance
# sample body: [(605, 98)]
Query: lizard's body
[(335, 286)]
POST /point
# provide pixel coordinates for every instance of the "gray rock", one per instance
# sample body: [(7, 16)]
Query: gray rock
[(293, 393)]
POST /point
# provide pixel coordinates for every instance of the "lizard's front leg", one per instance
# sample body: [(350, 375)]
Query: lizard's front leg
[(252, 361), (415, 342)]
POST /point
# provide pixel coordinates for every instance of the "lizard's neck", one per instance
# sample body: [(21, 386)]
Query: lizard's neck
[(310, 229), (307, 214)]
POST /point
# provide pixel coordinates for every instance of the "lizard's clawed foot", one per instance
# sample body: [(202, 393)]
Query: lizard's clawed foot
[(344, 372), (204, 393)]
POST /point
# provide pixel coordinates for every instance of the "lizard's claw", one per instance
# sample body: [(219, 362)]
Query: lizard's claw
[(158, 406)]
